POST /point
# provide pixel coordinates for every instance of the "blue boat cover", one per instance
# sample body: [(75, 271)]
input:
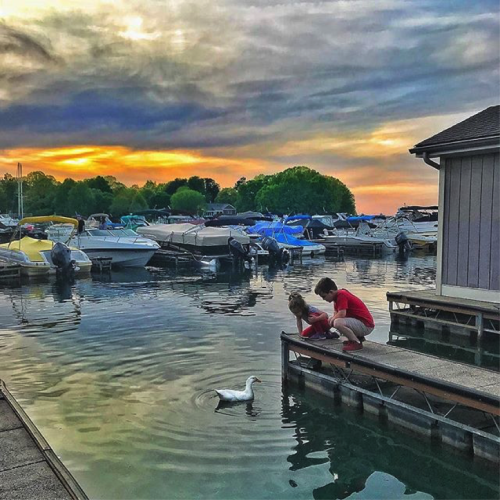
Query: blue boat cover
[(291, 240), (265, 228)]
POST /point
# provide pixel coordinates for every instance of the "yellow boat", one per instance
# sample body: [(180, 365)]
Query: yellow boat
[(36, 257)]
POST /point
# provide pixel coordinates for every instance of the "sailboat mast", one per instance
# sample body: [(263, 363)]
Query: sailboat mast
[(20, 204)]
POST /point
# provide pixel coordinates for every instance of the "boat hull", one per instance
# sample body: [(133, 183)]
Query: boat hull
[(122, 258)]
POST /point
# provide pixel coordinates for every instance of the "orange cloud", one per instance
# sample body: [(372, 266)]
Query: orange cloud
[(128, 165), (376, 187)]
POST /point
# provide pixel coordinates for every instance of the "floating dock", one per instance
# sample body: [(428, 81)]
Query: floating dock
[(375, 249), (450, 402), (450, 315), (29, 468)]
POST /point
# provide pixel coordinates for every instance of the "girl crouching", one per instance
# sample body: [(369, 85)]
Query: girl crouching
[(318, 320)]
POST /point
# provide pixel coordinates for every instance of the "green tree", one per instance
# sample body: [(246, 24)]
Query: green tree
[(61, 198), (99, 183), (301, 189), (123, 201), (239, 182), (138, 203), (102, 201), (172, 186), (114, 184), (196, 184), (39, 193), (247, 191), (188, 200), (211, 189), (80, 199), (227, 195), (9, 187)]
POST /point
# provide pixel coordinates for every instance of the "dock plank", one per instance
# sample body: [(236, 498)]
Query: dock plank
[(431, 297), (468, 377), (28, 467)]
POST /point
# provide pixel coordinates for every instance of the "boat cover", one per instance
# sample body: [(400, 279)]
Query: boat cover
[(291, 240), (30, 246), (192, 234), (272, 228)]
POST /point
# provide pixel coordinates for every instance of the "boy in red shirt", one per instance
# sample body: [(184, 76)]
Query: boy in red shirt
[(352, 318)]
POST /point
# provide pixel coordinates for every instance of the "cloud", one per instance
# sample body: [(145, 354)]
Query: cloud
[(272, 81)]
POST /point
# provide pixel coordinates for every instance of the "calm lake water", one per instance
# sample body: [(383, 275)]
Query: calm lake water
[(116, 372)]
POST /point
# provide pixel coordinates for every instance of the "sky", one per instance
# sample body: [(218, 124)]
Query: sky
[(158, 89)]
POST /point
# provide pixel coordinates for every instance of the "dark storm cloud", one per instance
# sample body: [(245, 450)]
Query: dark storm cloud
[(17, 42), (205, 76)]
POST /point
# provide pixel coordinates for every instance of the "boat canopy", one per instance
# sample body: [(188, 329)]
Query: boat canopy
[(48, 218), (192, 234), (297, 217)]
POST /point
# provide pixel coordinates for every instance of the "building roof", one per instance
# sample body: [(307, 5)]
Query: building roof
[(481, 129), (219, 206)]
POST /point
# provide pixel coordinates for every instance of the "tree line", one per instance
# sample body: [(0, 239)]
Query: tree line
[(297, 189)]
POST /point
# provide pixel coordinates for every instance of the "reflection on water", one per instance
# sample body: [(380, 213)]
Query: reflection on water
[(117, 370), (353, 453)]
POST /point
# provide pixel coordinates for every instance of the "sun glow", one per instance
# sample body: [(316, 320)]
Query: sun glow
[(128, 165)]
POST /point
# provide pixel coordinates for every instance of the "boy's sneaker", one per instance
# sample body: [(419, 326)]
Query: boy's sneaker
[(331, 335), (361, 339), (352, 346)]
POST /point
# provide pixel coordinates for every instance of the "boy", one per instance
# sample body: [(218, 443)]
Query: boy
[(352, 318)]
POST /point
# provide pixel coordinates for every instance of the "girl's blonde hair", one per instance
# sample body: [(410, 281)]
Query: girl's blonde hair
[(297, 304)]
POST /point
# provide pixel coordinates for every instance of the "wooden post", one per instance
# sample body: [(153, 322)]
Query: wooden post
[(479, 326), (285, 354)]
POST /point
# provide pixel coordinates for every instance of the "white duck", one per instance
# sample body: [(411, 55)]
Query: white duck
[(246, 395)]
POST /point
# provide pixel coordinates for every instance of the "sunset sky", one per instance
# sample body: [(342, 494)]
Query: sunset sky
[(157, 89)]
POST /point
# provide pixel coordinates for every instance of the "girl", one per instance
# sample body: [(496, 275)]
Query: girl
[(318, 320)]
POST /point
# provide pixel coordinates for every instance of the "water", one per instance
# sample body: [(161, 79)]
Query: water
[(116, 372)]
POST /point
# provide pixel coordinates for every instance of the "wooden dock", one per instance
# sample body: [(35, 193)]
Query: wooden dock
[(29, 468), (375, 249), (424, 393), (429, 310)]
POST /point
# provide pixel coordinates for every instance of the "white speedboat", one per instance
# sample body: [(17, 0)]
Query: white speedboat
[(363, 236), (41, 257), (124, 247)]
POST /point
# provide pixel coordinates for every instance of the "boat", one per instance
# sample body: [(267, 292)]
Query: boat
[(101, 220), (287, 237), (43, 257), (361, 237), (195, 238), (308, 248), (124, 247)]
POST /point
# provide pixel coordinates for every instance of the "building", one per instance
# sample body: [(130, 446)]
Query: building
[(215, 209), (467, 157)]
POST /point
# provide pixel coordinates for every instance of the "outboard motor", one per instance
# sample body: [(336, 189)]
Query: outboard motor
[(276, 254), (237, 249), (402, 242), (271, 245), (61, 257)]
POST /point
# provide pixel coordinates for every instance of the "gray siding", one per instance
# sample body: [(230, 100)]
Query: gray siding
[(471, 222)]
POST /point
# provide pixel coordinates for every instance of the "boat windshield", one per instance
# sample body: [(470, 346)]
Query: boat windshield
[(116, 233)]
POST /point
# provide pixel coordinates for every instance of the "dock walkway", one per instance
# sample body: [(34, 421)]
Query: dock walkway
[(424, 306), (29, 468), (470, 385), (456, 403)]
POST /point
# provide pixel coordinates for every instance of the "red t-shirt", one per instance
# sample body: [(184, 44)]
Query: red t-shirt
[(354, 307)]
